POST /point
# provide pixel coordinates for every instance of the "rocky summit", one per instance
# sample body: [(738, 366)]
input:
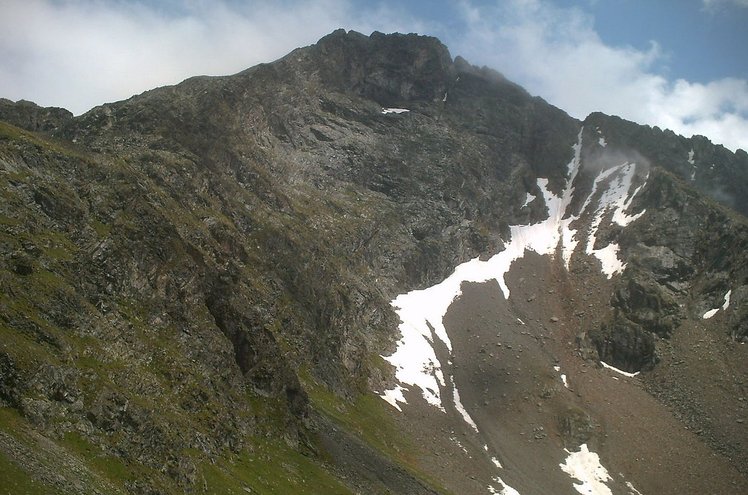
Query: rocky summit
[(368, 268)]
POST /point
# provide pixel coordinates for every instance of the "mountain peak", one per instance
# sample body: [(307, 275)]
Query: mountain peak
[(387, 68)]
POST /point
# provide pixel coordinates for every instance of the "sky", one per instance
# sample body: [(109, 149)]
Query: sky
[(677, 64)]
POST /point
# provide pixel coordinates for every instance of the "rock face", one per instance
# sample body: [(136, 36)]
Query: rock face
[(30, 116), (197, 280)]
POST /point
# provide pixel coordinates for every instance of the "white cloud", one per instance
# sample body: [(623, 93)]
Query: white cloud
[(557, 54), (709, 4), (80, 53)]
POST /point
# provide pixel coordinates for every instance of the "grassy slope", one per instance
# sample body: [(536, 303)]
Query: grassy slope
[(265, 464)]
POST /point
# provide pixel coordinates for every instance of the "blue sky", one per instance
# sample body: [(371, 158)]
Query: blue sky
[(678, 64)]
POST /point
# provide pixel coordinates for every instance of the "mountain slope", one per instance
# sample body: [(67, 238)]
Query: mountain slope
[(198, 284)]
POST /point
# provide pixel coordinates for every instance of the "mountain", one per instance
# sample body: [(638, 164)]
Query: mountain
[(368, 267)]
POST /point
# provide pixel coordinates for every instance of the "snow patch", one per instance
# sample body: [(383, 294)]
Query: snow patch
[(393, 396), (394, 110), (584, 466), (563, 376), (634, 490), (616, 198), (693, 165), (459, 444), (460, 408), (415, 360), (613, 368), (496, 463), (724, 306), (528, 199), (504, 490), (601, 141), (727, 300), (710, 313), (609, 260)]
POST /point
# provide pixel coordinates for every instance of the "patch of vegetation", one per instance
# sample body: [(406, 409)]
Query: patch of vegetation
[(271, 467), (101, 229), (10, 420), (13, 133), (17, 481), (368, 418), (26, 349), (110, 467)]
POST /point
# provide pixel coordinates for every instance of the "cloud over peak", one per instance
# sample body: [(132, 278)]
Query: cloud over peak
[(81, 53), (557, 54)]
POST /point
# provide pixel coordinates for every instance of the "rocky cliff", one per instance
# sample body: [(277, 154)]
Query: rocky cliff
[(198, 285)]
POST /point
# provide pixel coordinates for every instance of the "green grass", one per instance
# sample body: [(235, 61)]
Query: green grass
[(368, 418), (9, 221), (25, 349), (365, 416), (8, 131), (270, 468), (10, 420), (16, 481), (109, 467), (101, 229), (64, 148)]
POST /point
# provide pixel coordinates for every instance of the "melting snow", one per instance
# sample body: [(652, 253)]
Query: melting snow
[(634, 490), (563, 376), (601, 141), (585, 467), (617, 197), (710, 313), (724, 306), (609, 260), (613, 368), (693, 165), (394, 396), (394, 110), (421, 311), (727, 300), (460, 445), (504, 490), (460, 408), (528, 199)]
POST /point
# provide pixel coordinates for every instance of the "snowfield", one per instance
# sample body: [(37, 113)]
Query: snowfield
[(421, 312)]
